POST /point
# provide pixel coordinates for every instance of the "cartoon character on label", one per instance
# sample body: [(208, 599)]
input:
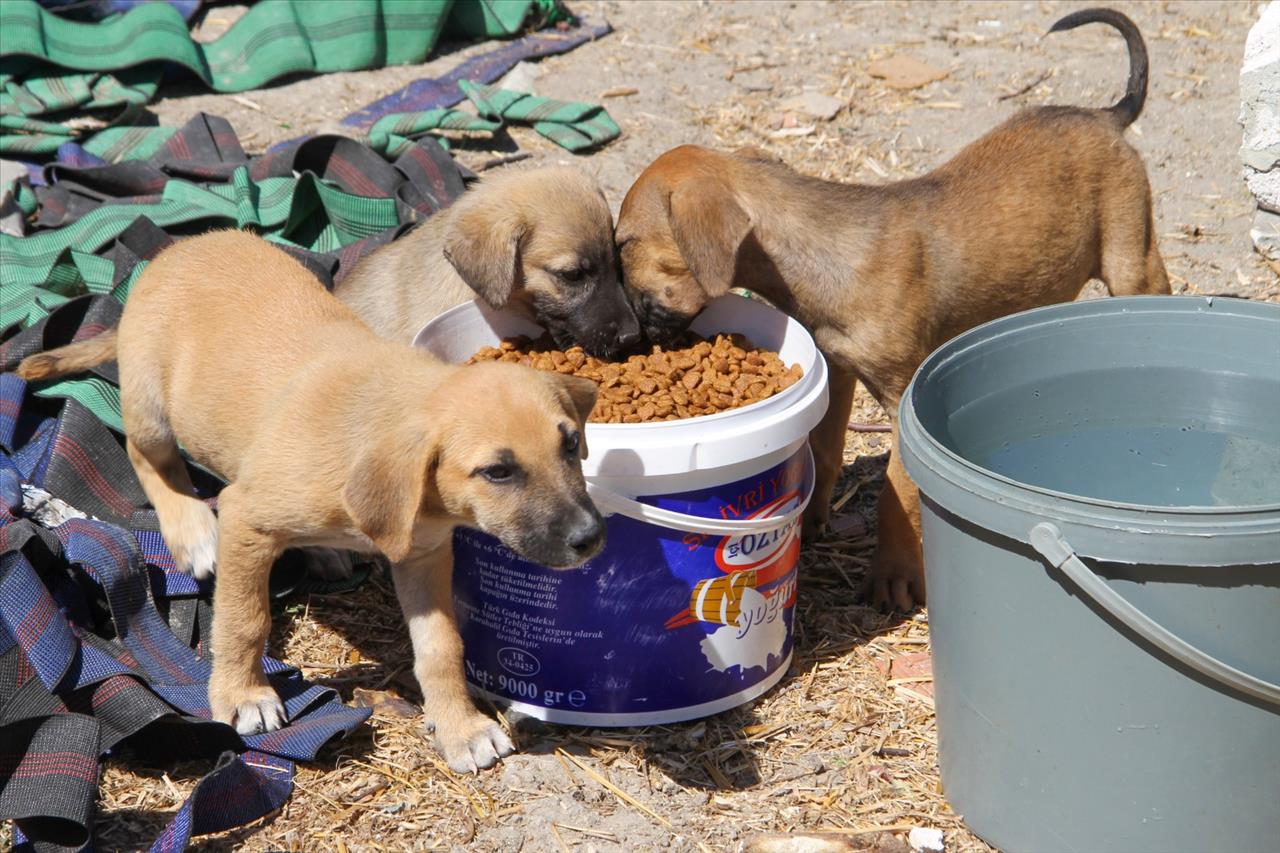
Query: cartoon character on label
[(758, 586)]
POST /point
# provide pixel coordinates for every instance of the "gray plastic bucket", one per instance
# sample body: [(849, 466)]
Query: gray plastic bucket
[(1100, 489)]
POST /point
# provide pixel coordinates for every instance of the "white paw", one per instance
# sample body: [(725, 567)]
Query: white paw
[(482, 749), (194, 544), (259, 716), (329, 564)]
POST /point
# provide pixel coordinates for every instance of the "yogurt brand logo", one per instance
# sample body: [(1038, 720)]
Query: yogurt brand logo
[(518, 662), (759, 551)]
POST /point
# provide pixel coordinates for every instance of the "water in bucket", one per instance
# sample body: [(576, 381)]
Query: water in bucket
[(1092, 433)]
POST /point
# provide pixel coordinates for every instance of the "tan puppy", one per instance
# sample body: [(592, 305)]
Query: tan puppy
[(539, 242), (882, 275), (331, 436)]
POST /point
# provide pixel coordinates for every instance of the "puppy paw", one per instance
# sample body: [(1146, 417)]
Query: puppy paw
[(895, 588), (251, 711), (193, 540), (329, 564), (813, 526), (474, 745)]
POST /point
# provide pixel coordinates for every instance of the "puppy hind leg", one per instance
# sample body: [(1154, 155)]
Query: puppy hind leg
[(239, 693), (896, 577), (188, 525), (468, 739), (827, 441), (1157, 278), (1131, 262)]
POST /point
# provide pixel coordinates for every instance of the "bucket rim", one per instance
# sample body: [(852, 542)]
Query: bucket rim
[(1052, 314), (685, 445)]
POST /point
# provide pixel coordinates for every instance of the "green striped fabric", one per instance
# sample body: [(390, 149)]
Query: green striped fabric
[(273, 38), (50, 65), (569, 124), (26, 197), (575, 126), (68, 274), (572, 125), (100, 397), (117, 144), (97, 395), (41, 271), (43, 90), (392, 134)]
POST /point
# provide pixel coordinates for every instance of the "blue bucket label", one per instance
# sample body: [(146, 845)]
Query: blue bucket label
[(662, 625)]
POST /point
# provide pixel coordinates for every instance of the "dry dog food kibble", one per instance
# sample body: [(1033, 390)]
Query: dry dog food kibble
[(702, 377)]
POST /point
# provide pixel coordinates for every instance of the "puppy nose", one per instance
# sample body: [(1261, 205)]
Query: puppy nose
[(629, 336), (587, 537), (628, 328)]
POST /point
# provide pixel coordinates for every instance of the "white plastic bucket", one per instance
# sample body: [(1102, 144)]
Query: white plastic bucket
[(688, 610)]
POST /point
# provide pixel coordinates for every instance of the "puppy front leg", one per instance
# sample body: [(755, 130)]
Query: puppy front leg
[(239, 693), (468, 739), (896, 576), (827, 441)]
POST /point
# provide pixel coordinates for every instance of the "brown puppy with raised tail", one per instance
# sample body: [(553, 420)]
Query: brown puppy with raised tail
[(882, 275), (535, 241), (329, 435)]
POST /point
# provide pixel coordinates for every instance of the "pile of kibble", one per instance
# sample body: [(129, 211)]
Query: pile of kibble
[(701, 377)]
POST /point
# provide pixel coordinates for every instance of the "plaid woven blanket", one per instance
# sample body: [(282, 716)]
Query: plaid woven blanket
[(101, 638)]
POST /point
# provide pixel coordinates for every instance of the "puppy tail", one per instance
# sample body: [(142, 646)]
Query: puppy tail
[(73, 358), (1128, 108)]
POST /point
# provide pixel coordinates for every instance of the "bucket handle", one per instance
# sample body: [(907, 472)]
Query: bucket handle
[(610, 502), (1049, 542)]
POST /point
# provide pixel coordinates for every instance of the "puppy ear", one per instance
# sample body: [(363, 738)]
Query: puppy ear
[(482, 241), (581, 394), (709, 226), (386, 488)]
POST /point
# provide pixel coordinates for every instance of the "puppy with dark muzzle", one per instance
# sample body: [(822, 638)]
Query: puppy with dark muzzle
[(331, 436), (882, 275), (538, 242)]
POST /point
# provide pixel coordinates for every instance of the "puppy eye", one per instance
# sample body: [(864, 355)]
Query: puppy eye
[(572, 442), (574, 275), (496, 473)]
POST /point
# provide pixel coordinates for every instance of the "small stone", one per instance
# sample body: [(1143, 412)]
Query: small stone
[(521, 78), (1265, 187), (925, 840), (815, 104), (1266, 234), (901, 71)]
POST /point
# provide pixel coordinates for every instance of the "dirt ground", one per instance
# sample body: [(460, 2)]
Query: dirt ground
[(846, 744)]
